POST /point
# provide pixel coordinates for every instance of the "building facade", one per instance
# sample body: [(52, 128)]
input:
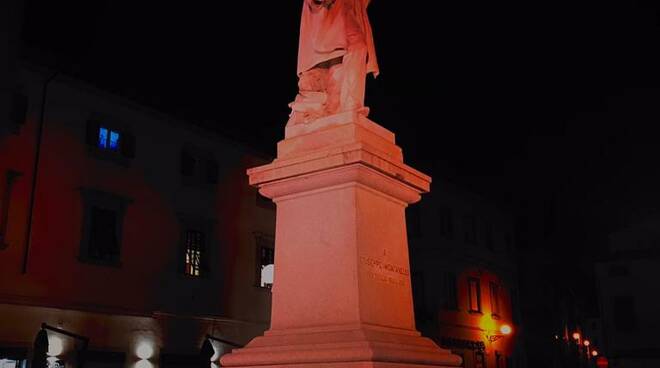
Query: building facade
[(126, 227), (628, 296), (464, 276)]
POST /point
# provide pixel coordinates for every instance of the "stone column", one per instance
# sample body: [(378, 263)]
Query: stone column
[(341, 295)]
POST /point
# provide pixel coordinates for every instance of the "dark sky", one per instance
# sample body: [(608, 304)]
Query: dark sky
[(548, 106)]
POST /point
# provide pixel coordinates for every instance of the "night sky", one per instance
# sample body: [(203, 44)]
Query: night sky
[(548, 107)]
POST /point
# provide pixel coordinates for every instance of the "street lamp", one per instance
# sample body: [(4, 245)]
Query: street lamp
[(586, 344), (504, 331), (594, 353), (576, 336)]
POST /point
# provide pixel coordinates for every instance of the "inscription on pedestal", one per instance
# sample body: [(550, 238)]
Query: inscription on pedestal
[(385, 272)]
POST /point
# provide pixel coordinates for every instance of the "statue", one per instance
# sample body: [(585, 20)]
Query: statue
[(336, 52)]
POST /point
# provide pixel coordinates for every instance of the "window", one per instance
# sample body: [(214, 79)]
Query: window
[(495, 300), (103, 243), (413, 221), (446, 223), (109, 141), (265, 261), (474, 296), (11, 363), (625, 318), (5, 200), (198, 168), (194, 253), (13, 357), (470, 229), (102, 227), (479, 359), (449, 292), (196, 245)]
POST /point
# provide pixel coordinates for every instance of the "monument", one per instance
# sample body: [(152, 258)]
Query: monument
[(341, 294)]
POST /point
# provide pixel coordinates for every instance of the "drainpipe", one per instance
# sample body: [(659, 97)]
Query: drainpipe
[(35, 171)]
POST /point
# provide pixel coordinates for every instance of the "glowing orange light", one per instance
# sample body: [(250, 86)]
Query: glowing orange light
[(587, 342), (505, 329), (594, 353), (576, 336)]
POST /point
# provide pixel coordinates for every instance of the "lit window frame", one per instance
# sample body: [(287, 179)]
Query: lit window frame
[(194, 253), (109, 139), (495, 300), (206, 226), (477, 287), (262, 241)]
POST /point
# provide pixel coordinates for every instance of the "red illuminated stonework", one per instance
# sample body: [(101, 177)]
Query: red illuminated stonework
[(342, 294)]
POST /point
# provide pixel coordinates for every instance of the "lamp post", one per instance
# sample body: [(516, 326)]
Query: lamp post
[(587, 344), (505, 330), (577, 338)]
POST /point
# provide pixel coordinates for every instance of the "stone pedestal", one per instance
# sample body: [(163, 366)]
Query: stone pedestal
[(341, 295)]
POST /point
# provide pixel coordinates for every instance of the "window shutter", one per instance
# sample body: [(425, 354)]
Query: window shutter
[(92, 132), (127, 144)]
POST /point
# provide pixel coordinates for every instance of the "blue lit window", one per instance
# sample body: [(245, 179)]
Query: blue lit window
[(114, 140), (108, 139), (103, 138)]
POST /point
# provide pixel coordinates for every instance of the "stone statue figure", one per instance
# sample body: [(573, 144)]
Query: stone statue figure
[(335, 54)]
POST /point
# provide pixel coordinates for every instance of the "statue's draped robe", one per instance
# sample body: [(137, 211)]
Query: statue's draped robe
[(324, 33)]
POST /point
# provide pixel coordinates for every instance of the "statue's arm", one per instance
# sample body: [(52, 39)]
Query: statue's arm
[(315, 5)]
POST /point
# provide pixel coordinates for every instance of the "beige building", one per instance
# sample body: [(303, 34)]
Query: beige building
[(127, 227)]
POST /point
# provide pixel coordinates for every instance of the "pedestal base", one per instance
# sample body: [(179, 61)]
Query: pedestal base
[(341, 346), (350, 365), (341, 293)]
